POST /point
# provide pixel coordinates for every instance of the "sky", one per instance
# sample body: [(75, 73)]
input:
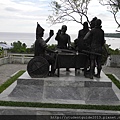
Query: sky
[(23, 15)]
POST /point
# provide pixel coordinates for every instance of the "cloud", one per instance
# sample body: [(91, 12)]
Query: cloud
[(23, 9), (12, 9), (22, 15)]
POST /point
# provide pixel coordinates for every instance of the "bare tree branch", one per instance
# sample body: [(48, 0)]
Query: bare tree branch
[(113, 7), (69, 10)]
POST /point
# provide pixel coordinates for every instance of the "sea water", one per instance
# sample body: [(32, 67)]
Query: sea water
[(29, 39)]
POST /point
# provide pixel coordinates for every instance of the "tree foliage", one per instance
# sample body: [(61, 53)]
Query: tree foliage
[(69, 10), (18, 47), (52, 47), (114, 7)]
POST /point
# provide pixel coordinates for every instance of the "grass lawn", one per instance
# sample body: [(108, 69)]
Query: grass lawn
[(10, 81), (66, 106), (50, 105), (114, 80)]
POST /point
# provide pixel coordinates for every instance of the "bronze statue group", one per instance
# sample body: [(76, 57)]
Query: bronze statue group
[(90, 40)]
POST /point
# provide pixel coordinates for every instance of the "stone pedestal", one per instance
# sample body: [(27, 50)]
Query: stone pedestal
[(66, 89)]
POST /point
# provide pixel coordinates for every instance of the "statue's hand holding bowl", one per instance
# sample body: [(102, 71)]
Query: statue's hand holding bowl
[(51, 33), (59, 32)]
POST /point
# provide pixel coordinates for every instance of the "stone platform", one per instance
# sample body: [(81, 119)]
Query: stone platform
[(66, 89)]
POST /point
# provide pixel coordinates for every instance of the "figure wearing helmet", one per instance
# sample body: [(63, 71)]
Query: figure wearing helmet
[(97, 42), (41, 47)]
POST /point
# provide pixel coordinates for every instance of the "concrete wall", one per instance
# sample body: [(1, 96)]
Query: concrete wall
[(115, 61)]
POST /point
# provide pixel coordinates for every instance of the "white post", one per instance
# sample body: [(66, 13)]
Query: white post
[(23, 58)]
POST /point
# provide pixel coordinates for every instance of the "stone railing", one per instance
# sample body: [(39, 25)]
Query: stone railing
[(20, 58), (4, 60), (113, 60), (16, 58)]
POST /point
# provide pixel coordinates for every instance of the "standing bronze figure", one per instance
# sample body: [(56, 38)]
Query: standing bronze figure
[(81, 34), (96, 36), (63, 39)]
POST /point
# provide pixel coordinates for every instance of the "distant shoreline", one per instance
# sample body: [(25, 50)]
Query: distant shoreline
[(113, 35), (29, 38)]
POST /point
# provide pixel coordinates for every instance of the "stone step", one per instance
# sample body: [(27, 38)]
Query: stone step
[(52, 111)]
